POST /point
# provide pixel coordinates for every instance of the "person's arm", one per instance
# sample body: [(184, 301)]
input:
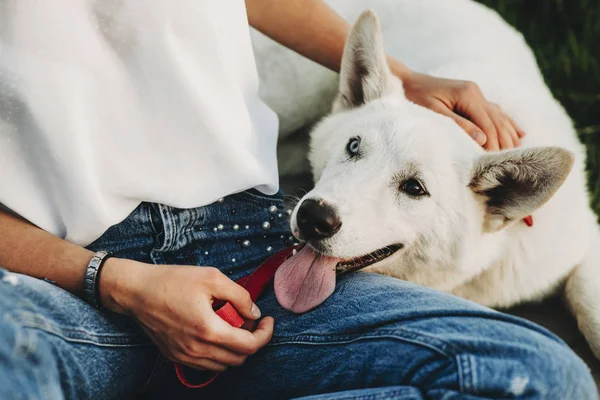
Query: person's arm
[(314, 30), (27, 249), (173, 304)]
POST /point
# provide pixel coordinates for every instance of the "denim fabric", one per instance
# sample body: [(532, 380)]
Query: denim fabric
[(375, 338)]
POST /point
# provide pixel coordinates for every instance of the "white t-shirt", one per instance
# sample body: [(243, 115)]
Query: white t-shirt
[(107, 103)]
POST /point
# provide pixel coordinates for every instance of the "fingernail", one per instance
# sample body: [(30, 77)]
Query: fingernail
[(255, 311), (480, 137)]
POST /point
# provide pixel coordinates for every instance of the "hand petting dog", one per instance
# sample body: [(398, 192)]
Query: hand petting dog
[(462, 101)]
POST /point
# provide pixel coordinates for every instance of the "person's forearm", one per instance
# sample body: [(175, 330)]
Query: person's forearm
[(29, 250), (309, 27)]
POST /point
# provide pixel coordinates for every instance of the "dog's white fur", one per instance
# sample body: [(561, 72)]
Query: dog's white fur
[(466, 237)]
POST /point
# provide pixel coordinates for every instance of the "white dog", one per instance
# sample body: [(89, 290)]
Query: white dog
[(403, 191)]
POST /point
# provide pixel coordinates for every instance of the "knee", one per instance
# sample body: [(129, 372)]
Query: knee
[(550, 370), (27, 364), (557, 373)]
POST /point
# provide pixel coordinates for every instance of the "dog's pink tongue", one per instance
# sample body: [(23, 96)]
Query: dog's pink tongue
[(305, 280)]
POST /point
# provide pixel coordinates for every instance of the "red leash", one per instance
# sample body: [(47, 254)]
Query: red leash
[(255, 284)]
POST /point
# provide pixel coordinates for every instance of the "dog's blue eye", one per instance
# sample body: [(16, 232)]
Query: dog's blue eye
[(353, 146), (413, 187)]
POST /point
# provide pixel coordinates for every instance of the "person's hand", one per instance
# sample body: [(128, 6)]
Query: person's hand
[(463, 101), (173, 304)]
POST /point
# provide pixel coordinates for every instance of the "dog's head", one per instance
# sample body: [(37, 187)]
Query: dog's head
[(399, 185)]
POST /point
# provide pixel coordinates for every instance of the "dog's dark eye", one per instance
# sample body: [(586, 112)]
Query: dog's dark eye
[(353, 146), (413, 187)]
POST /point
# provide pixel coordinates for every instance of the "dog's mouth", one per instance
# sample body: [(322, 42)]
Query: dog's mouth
[(308, 278), (358, 263)]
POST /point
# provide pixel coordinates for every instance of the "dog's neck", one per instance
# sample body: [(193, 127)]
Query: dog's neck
[(446, 265)]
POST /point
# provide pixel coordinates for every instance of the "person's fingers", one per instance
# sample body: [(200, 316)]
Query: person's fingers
[(217, 331), (225, 289), (509, 125), (243, 341), (507, 135), (470, 103), (516, 127), (504, 135), (264, 331), (520, 133), (505, 140), (483, 119), (470, 128), (181, 357), (478, 114), (198, 349), (515, 137), (201, 364), (197, 354), (224, 356)]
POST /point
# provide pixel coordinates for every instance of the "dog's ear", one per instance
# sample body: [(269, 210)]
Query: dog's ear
[(513, 184), (364, 74)]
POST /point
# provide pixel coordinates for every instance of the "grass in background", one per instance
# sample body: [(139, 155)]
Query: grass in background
[(565, 37)]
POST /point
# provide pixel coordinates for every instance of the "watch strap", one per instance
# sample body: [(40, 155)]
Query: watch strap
[(92, 275)]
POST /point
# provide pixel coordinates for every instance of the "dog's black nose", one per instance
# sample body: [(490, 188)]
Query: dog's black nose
[(317, 220)]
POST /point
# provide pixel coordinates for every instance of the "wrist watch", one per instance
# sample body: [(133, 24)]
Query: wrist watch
[(91, 292)]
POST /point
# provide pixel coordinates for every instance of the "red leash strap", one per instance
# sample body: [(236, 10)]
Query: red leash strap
[(255, 285)]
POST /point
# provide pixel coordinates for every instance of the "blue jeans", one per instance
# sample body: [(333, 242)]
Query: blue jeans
[(375, 338)]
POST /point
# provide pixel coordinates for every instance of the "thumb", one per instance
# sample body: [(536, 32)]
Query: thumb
[(472, 130), (227, 290)]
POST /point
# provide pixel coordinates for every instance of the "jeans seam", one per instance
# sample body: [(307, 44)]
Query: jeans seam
[(156, 234), (198, 218), (463, 373), (168, 234), (25, 321), (389, 394), (473, 373), (23, 339), (408, 336), (150, 219), (173, 227), (464, 363), (154, 372), (443, 347)]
